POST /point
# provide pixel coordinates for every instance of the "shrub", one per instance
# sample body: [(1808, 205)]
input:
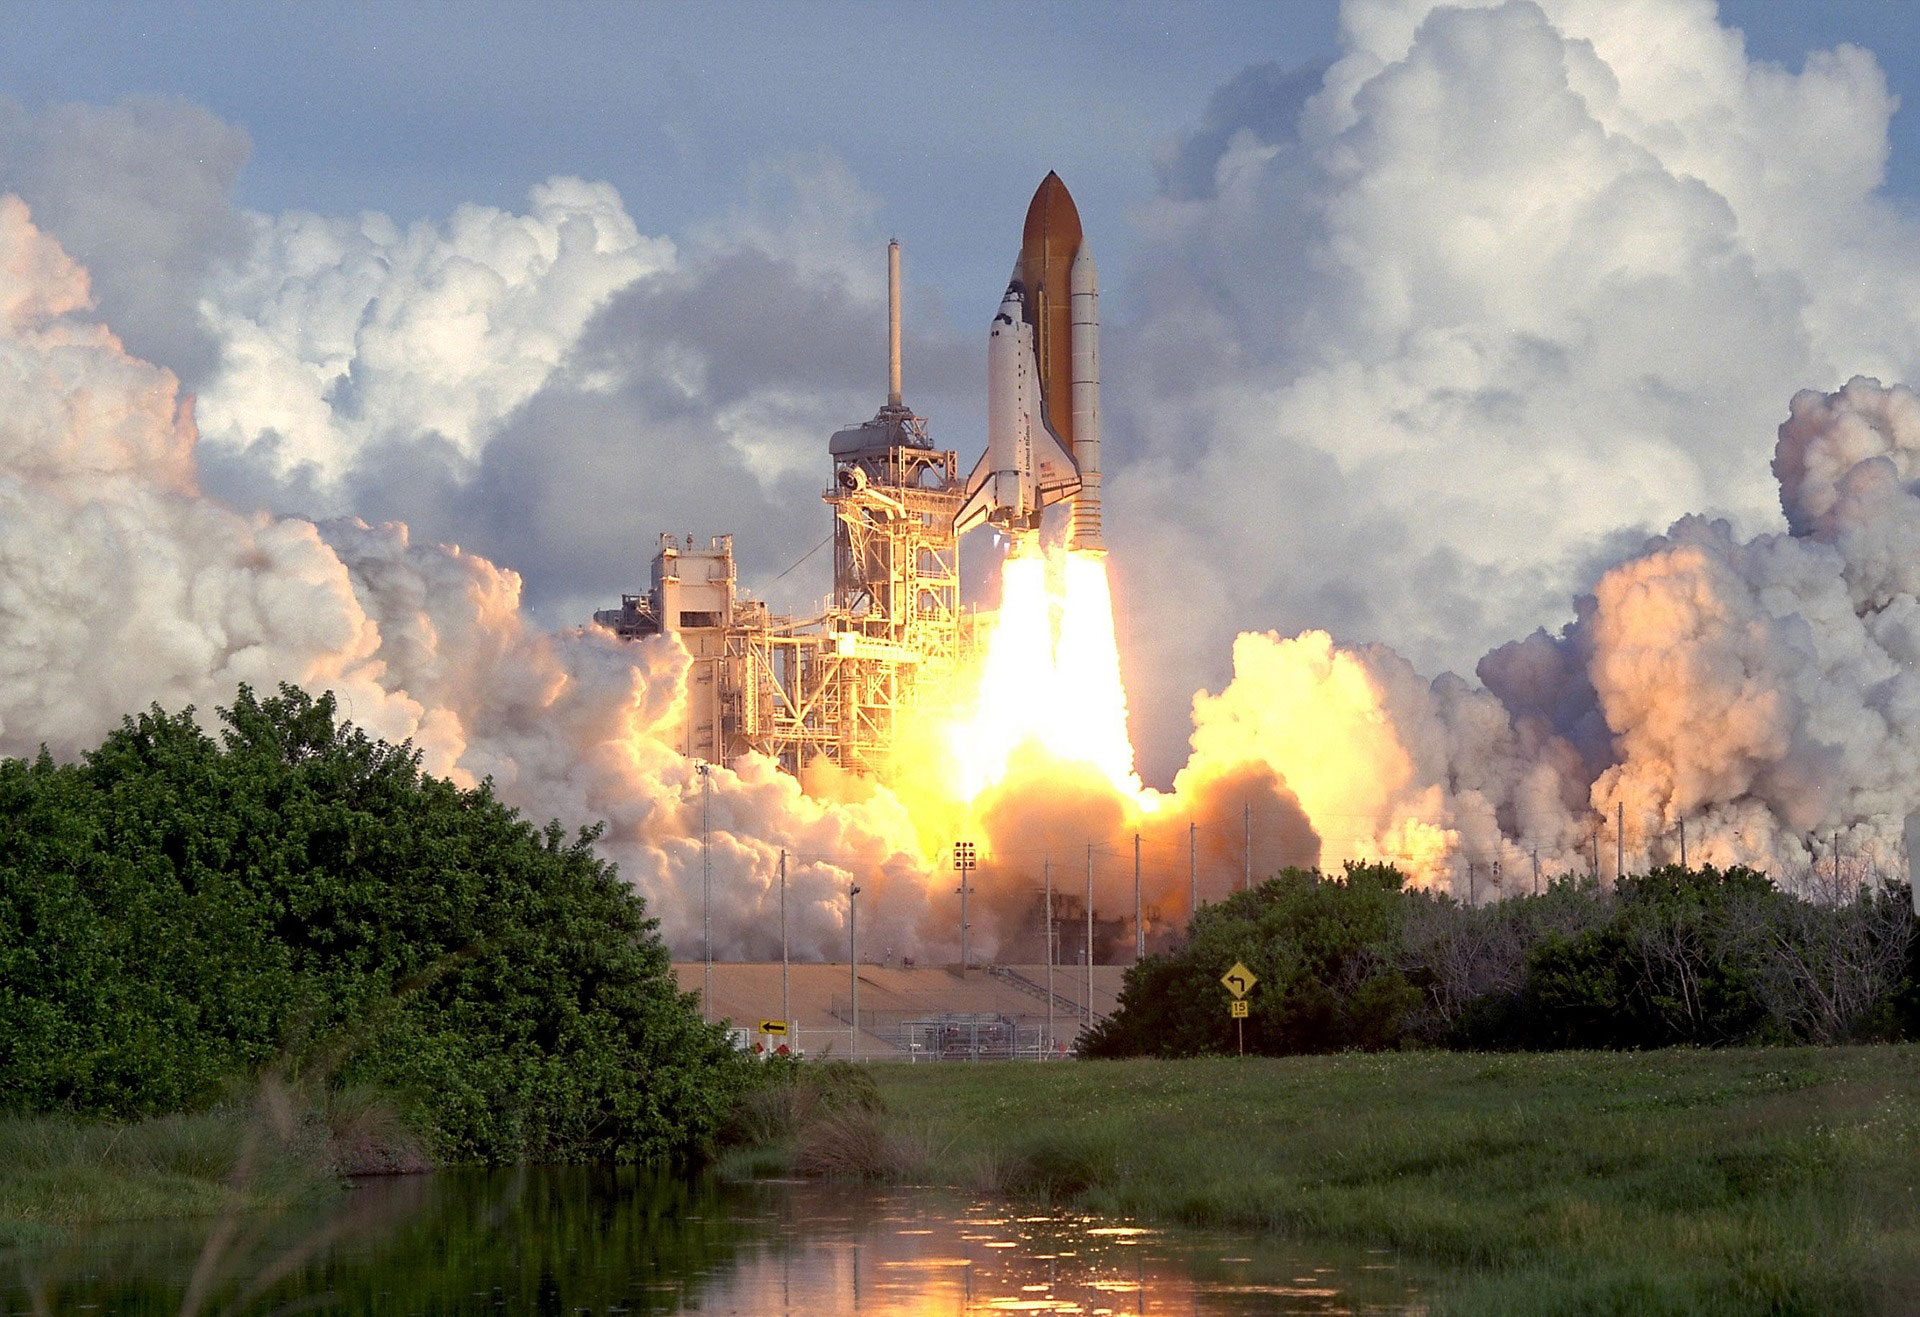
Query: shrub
[(1699, 957), (1326, 952), (176, 913)]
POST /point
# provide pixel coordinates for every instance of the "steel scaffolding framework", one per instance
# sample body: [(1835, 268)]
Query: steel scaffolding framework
[(837, 688)]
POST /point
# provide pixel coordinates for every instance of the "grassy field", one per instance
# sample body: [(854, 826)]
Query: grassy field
[(1681, 1181)]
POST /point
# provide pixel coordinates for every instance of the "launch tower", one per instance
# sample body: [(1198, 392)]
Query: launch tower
[(839, 687), (895, 619)]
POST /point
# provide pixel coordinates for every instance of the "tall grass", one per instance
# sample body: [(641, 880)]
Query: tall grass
[(258, 1150), (823, 1120), (1752, 1180), (62, 1171)]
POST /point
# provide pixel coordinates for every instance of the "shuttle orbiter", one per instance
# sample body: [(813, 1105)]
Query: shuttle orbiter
[(1043, 382)]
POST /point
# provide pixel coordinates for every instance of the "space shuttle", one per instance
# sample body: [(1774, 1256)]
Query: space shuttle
[(1043, 383)]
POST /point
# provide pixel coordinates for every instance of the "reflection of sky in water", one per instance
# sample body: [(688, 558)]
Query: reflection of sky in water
[(843, 1249), (568, 1240)]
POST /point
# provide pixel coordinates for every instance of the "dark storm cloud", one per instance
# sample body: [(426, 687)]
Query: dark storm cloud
[(1263, 100), (755, 322), (140, 193)]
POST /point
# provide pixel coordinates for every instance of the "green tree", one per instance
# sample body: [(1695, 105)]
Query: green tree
[(176, 913)]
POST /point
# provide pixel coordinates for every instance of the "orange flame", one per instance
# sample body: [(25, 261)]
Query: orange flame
[(1299, 753), (1050, 677)]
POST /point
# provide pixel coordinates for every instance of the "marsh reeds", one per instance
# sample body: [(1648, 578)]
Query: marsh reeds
[(236, 1167)]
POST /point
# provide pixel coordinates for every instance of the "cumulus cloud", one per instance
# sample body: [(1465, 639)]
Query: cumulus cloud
[(338, 334), (1437, 347), (1514, 278), (123, 584), (553, 389), (1760, 695)]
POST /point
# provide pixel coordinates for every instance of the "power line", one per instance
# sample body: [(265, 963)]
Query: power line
[(803, 557)]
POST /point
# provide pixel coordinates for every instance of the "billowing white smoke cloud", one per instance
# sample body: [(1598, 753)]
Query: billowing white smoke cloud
[(139, 192), (1770, 687), (337, 334), (1508, 282), (122, 583), (1433, 338), (1762, 694)]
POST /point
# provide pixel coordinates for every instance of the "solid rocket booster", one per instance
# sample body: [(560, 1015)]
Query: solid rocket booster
[(1085, 285), (1043, 382)]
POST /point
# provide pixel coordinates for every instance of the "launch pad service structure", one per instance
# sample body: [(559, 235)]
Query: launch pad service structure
[(840, 688)]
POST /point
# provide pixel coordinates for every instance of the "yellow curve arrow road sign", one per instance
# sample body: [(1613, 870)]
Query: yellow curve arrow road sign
[(1239, 980), (774, 1028)]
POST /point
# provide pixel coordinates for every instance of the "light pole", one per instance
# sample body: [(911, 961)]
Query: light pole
[(706, 891), (1139, 924), (1089, 935), (1047, 868), (963, 859), (853, 962), (786, 1000)]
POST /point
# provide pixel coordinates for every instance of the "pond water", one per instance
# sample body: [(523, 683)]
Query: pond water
[(571, 1240)]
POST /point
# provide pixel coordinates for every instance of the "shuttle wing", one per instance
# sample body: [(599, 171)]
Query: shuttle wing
[(979, 498)]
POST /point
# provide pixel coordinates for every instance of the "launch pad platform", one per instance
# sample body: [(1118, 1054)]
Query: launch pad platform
[(912, 1013)]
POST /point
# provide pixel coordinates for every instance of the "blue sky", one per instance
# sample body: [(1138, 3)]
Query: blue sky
[(950, 113)]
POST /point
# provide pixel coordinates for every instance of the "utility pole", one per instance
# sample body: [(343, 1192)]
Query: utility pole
[(853, 963), (1193, 874), (1619, 840), (1473, 893), (1139, 926), (1089, 935), (1246, 845), (963, 856), (1836, 863), (1683, 845), (1047, 869), (786, 996), (1536, 871), (706, 891)]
